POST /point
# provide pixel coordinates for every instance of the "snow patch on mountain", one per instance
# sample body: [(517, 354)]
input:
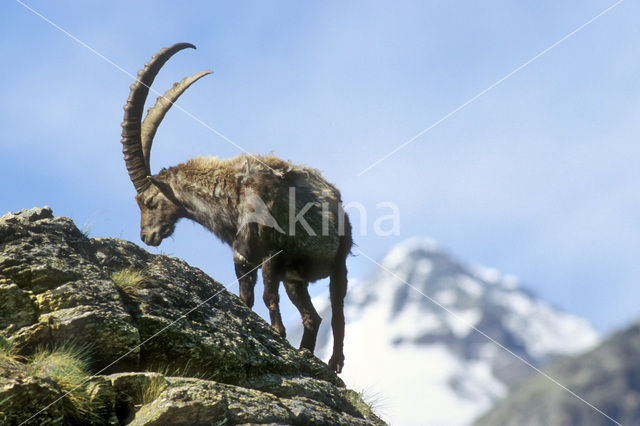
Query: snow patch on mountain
[(412, 335)]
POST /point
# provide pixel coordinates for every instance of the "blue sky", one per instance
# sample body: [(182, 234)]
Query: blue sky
[(538, 177)]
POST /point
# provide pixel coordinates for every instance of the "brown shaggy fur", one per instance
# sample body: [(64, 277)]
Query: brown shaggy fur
[(284, 218), (225, 196)]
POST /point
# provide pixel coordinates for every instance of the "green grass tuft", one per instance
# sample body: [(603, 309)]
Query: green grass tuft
[(8, 354), (3, 415), (86, 230), (128, 279), (68, 367), (370, 404), (7, 348)]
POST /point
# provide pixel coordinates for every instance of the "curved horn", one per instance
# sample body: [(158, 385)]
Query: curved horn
[(157, 112), (131, 128)]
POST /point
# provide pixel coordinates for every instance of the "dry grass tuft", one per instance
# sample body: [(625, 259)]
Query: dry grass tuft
[(129, 279), (149, 391)]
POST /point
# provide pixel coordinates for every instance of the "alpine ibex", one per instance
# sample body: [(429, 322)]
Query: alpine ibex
[(286, 219)]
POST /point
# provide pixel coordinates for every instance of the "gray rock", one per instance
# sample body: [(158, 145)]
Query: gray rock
[(22, 396), (215, 360)]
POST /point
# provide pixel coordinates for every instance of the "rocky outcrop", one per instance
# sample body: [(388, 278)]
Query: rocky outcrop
[(166, 344), (607, 378)]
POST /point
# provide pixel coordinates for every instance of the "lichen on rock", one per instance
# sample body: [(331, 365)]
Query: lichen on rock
[(168, 344)]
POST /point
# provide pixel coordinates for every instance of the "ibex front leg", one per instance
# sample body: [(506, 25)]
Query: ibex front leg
[(247, 275), (271, 297)]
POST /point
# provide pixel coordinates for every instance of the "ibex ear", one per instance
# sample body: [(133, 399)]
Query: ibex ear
[(164, 187)]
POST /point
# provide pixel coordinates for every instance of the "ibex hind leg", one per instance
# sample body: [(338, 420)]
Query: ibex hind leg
[(271, 279), (299, 294), (337, 292)]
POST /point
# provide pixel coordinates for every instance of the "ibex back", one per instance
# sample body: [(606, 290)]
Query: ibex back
[(284, 218)]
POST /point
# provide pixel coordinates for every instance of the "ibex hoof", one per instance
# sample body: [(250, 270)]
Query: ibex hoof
[(336, 363)]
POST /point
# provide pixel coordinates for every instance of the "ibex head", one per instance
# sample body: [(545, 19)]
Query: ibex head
[(159, 208)]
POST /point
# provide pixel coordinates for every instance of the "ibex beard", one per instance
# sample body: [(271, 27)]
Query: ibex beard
[(246, 201)]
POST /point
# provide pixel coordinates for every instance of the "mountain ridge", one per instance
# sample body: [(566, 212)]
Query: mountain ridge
[(391, 324), (607, 378)]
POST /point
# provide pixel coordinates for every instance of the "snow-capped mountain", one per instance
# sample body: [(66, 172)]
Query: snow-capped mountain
[(417, 350)]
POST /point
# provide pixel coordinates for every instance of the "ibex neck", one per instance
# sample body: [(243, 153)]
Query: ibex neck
[(208, 194)]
